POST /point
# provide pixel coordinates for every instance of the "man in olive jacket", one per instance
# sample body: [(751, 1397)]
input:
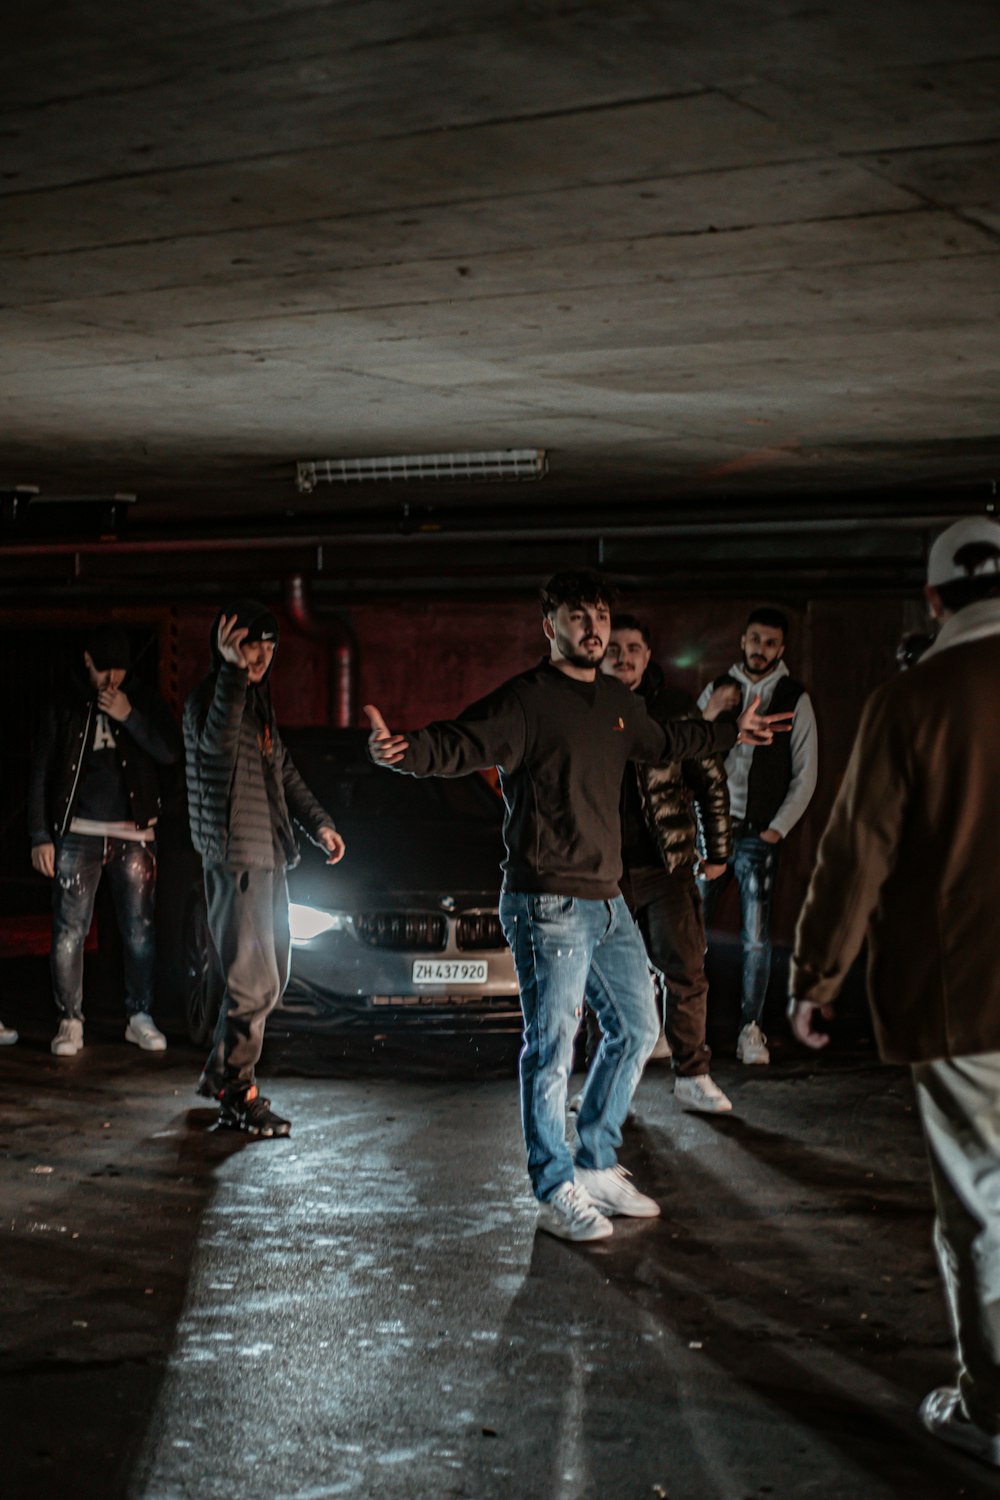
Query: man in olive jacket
[(663, 808), (910, 856), (243, 792)]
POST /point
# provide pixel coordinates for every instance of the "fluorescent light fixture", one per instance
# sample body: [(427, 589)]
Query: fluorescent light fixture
[(501, 463), (308, 922)]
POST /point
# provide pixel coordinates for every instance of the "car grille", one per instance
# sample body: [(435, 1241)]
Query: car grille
[(401, 931), (480, 929)]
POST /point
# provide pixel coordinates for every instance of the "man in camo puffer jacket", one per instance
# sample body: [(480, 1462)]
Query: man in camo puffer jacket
[(663, 809), (243, 792)]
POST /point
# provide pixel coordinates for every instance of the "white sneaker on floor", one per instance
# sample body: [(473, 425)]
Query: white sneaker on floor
[(702, 1092), (571, 1215), (7, 1037), (610, 1189), (662, 1051), (751, 1045), (142, 1030), (68, 1040), (942, 1414)]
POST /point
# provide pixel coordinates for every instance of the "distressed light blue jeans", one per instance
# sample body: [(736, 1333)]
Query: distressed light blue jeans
[(567, 949), (754, 864)]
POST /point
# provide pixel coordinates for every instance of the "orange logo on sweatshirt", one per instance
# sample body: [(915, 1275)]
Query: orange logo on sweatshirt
[(266, 743)]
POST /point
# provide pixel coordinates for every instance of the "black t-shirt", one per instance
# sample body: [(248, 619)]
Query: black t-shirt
[(103, 795)]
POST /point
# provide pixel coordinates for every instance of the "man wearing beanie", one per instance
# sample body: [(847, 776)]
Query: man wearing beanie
[(909, 858), (243, 792), (93, 803)]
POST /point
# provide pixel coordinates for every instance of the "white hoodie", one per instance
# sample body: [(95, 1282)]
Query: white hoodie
[(804, 747)]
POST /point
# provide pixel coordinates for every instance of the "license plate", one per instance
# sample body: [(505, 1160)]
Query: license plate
[(450, 971)]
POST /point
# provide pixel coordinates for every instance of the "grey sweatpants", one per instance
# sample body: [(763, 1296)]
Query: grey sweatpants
[(248, 920), (959, 1100)]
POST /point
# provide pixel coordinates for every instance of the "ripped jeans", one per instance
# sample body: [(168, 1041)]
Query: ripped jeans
[(754, 864), (81, 858), (566, 948)]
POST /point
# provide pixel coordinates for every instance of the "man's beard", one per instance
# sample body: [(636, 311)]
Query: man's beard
[(576, 656), (753, 671)]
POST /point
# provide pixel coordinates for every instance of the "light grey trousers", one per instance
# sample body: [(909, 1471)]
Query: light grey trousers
[(959, 1101)]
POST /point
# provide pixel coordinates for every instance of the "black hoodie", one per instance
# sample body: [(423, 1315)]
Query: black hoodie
[(243, 789)]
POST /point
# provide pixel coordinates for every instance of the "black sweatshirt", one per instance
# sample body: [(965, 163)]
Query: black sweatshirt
[(561, 747)]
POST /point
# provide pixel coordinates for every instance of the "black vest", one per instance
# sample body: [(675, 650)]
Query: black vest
[(771, 767)]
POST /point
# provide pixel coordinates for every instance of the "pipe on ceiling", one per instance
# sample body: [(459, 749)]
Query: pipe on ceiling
[(341, 644)]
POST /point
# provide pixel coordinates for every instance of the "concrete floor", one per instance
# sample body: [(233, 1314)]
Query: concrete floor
[(365, 1309)]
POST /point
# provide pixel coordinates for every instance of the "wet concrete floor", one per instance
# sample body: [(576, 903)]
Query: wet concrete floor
[(366, 1309)]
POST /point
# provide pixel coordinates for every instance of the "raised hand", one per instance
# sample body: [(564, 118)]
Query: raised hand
[(113, 702), (230, 641), (760, 729), (384, 747)]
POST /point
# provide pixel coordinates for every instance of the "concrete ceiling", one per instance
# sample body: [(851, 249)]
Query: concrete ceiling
[(748, 249)]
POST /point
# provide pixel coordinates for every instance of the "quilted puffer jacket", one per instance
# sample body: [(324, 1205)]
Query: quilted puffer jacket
[(686, 802), (243, 789)]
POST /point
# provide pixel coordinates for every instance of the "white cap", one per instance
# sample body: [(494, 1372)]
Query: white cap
[(968, 549)]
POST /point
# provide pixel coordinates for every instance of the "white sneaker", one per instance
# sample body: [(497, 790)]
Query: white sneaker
[(751, 1045), (610, 1189), (142, 1030), (68, 1040), (942, 1414), (570, 1215), (702, 1092), (662, 1051), (7, 1037)]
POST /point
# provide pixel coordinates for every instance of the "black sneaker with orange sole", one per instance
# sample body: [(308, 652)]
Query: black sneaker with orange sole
[(251, 1112)]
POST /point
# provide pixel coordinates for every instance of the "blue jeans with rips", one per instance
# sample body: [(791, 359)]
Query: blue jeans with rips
[(81, 859), (566, 949), (754, 865)]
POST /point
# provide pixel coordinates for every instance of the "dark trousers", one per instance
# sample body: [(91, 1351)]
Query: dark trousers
[(667, 909), (81, 859), (248, 920)]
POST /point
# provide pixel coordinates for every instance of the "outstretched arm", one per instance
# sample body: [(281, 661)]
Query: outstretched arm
[(488, 733)]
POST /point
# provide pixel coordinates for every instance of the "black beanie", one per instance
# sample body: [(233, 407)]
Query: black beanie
[(108, 647)]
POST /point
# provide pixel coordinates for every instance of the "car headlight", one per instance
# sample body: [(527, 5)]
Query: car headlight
[(307, 922)]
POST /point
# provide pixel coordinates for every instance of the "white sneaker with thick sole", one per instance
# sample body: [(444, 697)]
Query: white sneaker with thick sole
[(751, 1045), (7, 1037), (662, 1051), (143, 1031), (571, 1215), (610, 1189), (68, 1040), (942, 1414), (702, 1092)]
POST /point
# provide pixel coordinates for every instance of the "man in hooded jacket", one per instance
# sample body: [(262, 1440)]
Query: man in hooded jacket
[(243, 792)]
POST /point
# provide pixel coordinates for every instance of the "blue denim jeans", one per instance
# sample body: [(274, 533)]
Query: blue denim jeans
[(567, 949), (754, 864), (81, 859)]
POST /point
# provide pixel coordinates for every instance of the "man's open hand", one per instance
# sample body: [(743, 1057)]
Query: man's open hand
[(760, 729), (43, 859), (384, 747), (230, 641)]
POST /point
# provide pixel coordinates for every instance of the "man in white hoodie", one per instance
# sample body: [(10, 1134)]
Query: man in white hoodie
[(769, 790)]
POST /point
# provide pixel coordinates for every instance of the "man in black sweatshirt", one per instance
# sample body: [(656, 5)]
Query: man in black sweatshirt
[(93, 803), (561, 735)]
